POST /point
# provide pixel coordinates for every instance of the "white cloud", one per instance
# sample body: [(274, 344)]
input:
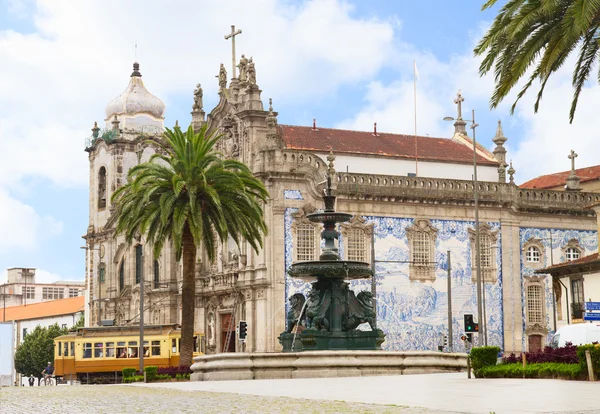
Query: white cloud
[(22, 227)]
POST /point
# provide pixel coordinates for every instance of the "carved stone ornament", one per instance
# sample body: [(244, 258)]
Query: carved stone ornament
[(529, 259)]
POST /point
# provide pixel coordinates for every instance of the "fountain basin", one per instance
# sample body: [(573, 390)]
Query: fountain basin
[(312, 340), (328, 216), (321, 364), (330, 269)]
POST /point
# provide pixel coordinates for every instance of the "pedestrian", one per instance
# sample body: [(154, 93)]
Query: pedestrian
[(31, 381)]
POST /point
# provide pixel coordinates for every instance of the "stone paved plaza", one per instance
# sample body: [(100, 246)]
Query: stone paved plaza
[(409, 394)]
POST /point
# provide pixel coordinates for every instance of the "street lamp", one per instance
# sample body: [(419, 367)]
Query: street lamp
[(477, 241)]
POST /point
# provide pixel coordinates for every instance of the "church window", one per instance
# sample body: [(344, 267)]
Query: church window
[(138, 263), (102, 187), (572, 254), (421, 245), (156, 275), (101, 272), (356, 235), (305, 242), (487, 253), (535, 304), (533, 255), (122, 275)]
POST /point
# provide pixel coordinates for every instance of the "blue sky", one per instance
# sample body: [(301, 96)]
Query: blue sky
[(346, 63)]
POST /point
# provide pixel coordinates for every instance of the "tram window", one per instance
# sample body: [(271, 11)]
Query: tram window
[(132, 351), (146, 349), (98, 350), (110, 349), (195, 344), (72, 348), (155, 348), (121, 350), (66, 350), (87, 350), (59, 348), (178, 345), (174, 346)]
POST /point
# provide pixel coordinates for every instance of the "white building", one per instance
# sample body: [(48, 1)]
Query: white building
[(22, 289)]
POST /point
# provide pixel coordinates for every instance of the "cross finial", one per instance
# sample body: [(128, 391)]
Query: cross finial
[(572, 157), (458, 101), (232, 35)]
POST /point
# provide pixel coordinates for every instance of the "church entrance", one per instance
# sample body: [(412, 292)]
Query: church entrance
[(227, 327), (535, 343)]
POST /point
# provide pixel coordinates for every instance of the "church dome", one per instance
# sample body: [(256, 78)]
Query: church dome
[(135, 99)]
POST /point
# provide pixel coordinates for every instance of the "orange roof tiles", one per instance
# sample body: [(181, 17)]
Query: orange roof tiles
[(560, 178), (590, 259), (382, 144), (44, 309)]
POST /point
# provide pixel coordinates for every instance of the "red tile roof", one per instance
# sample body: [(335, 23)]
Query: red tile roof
[(592, 259), (387, 145), (44, 309), (560, 179)]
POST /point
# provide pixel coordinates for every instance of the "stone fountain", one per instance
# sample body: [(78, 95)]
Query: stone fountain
[(321, 339), (328, 318)]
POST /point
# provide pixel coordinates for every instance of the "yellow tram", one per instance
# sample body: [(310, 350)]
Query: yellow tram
[(95, 351)]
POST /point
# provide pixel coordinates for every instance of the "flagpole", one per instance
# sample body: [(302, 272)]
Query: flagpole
[(415, 103)]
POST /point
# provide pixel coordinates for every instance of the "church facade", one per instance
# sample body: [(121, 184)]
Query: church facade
[(412, 202)]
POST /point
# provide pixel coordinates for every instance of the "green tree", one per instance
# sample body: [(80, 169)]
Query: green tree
[(37, 349), (189, 195), (539, 35), (80, 323)]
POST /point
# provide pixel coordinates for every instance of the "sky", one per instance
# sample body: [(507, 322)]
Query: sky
[(345, 63)]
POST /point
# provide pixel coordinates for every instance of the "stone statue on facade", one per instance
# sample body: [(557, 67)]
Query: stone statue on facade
[(251, 72), (294, 313), (211, 329), (360, 310), (222, 76), (243, 67), (197, 98)]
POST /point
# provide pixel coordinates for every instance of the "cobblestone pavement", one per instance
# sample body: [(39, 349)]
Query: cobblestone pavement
[(115, 399)]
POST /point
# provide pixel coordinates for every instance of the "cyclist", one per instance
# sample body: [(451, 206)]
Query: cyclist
[(47, 373)]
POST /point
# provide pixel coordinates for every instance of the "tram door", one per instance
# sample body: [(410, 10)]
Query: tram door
[(227, 325)]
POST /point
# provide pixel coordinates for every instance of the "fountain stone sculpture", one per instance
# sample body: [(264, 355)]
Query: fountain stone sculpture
[(328, 319)]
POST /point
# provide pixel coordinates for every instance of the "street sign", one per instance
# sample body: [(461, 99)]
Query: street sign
[(592, 306), (591, 316)]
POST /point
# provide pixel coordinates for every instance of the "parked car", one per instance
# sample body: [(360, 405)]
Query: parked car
[(578, 334)]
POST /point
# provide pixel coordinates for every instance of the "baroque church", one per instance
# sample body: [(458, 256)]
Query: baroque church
[(412, 201)]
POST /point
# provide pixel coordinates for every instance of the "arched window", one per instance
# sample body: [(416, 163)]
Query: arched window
[(572, 253), (102, 187), (156, 275), (533, 255), (421, 246), (101, 272), (487, 252), (122, 275), (356, 234), (535, 304)]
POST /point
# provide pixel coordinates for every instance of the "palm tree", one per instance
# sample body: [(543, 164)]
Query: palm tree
[(539, 35), (188, 195)]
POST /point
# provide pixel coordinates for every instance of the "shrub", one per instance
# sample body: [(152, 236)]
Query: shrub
[(162, 377), (134, 378), (173, 371), (483, 356), (538, 370), (151, 373), (182, 377), (566, 354), (128, 372), (594, 353)]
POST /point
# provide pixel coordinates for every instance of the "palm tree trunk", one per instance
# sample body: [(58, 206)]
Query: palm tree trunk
[(188, 297)]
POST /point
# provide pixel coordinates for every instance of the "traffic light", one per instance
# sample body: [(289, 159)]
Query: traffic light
[(243, 330), (445, 340), (470, 326), (467, 337)]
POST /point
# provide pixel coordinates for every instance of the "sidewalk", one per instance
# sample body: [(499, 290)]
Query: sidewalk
[(448, 392)]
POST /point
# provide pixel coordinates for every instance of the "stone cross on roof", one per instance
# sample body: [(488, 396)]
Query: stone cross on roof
[(232, 35), (572, 157), (458, 101)]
